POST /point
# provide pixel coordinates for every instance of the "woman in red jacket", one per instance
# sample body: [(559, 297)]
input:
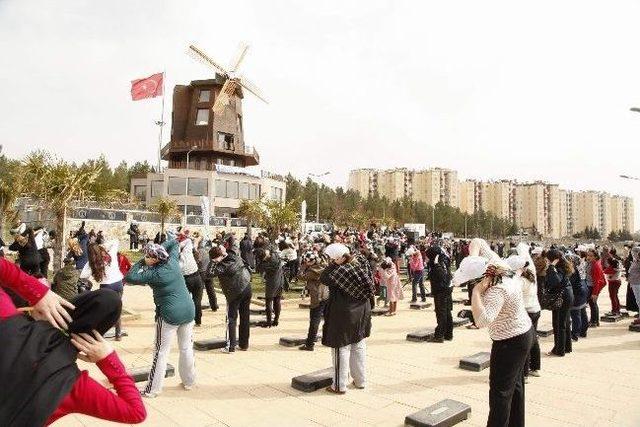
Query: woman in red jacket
[(40, 379), (597, 283)]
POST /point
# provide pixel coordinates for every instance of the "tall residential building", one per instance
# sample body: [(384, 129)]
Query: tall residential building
[(429, 185), (551, 211), (466, 196)]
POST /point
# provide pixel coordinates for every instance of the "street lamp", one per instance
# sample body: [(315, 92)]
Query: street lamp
[(319, 175), (629, 177), (186, 184)]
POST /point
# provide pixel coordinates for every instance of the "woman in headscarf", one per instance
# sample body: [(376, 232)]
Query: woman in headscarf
[(440, 280), (348, 315), (175, 312), (40, 379), (522, 265), (497, 302), (312, 266)]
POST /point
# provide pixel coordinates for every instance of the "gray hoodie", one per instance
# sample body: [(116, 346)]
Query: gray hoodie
[(634, 270)]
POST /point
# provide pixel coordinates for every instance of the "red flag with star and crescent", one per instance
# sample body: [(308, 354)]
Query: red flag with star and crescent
[(149, 87)]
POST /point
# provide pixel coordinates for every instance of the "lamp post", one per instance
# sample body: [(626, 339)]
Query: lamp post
[(319, 175), (186, 184)]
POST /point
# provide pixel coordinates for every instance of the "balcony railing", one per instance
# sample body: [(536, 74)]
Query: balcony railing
[(210, 145)]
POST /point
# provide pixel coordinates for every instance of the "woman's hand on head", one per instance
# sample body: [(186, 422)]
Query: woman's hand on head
[(483, 285), (54, 309), (92, 347)]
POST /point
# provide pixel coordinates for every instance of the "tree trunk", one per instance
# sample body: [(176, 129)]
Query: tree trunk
[(161, 227), (58, 244)]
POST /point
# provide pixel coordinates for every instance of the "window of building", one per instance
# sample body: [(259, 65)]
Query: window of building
[(176, 186), (191, 209), (276, 193), (140, 191), (221, 188), (157, 188), (225, 141), (239, 124), (202, 116), (198, 187), (232, 189), (204, 96), (254, 191), (244, 190)]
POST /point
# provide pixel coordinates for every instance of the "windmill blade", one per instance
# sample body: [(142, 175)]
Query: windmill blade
[(240, 54), (246, 84), (200, 56), (222, 100)]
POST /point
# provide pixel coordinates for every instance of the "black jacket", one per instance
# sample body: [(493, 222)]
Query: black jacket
[(246, 252), (273, 278), (233, 274), (29, 257), (346, 320)]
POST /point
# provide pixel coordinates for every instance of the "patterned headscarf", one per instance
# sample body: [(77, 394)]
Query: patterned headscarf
[(156, 251)]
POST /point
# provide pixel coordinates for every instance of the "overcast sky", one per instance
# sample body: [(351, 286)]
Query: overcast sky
[(494, 89)]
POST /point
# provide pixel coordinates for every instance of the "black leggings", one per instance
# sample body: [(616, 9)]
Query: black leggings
[(562, 325), (194, 286), (273, 306), (506, 380)]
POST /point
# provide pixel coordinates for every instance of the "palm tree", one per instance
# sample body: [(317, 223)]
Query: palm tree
[(166, 208), (251, 211), (10, 188), (57, 184)]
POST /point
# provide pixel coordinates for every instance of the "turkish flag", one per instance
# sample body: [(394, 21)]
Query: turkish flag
[(149, 87)]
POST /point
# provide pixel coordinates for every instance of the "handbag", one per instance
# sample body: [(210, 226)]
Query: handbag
[(552, 299)]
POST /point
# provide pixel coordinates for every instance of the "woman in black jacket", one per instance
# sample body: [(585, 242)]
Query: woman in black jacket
[(440, 280), (347, 315), (557, 281), (29, 257), (235, 281), (271, 266)]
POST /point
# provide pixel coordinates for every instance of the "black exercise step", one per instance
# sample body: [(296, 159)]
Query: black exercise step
[(445, 413), (419, 305), (379, 311), (460, 322), (258, 311), (142, 373), (313, 381), (420, 335), (634, 328), (544, 332), (294, 341), (476, 362), (611, 318), (210, 344)]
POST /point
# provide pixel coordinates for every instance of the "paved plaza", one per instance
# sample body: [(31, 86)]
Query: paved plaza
[(597, 385)]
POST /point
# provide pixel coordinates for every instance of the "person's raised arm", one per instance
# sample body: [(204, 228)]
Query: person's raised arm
[(140, 274), (172, 247), (91, 398), (46, 305)]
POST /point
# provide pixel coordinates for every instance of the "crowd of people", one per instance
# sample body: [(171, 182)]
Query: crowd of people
[(346, 273)]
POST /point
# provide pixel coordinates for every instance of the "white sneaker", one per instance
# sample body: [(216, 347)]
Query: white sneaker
[(534, 373), (187, 387), (148, 395)]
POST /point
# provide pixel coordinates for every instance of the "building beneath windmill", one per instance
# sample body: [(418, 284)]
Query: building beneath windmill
[(208, 156)]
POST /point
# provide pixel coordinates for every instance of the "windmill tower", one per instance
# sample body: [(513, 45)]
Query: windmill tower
[(207, 119)]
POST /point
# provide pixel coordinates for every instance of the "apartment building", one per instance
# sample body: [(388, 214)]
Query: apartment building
[(427, 185), (540, 206)]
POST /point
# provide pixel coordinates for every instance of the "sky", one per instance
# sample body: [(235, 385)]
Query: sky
[(493, 89)]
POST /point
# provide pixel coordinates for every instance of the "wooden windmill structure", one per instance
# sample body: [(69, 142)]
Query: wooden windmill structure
[(207, 118), (233, 79)]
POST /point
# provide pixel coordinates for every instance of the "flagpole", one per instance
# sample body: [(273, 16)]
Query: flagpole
[(161, 124)]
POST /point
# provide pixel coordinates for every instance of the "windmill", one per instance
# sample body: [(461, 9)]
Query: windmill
[(233, 78)]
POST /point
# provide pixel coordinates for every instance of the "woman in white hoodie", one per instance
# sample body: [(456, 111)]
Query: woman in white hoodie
[(522, 264)]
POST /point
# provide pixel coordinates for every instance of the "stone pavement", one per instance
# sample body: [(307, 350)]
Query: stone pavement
[(597, 385)]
